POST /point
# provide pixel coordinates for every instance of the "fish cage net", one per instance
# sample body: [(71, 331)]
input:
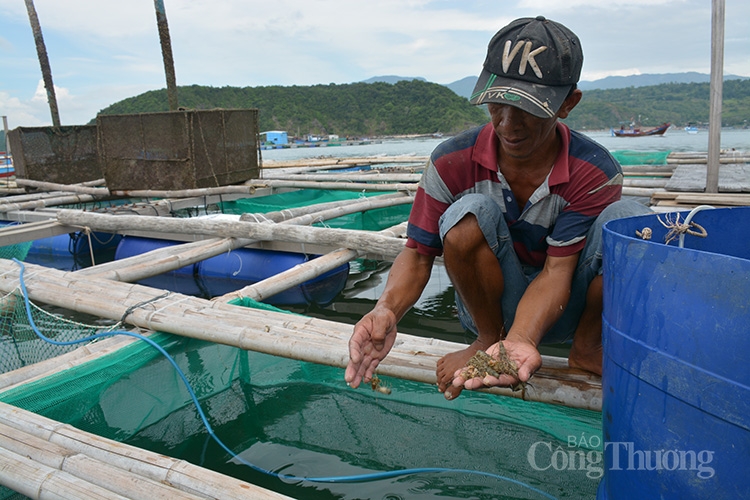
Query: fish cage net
[(301, 419), (371, 220), (16, 251), (627, 157), (20, 346)]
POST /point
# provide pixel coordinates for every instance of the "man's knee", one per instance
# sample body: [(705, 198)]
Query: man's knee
[(463, 236), (624, 208)]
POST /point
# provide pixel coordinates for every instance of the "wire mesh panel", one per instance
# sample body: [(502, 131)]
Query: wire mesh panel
[(179, 149), (64, 155)]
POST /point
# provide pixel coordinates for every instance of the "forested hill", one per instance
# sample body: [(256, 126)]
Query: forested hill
[(357, 109), (419, 107), (678, 103)]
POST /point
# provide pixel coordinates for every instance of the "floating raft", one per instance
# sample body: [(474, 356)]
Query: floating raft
[(295, 337)]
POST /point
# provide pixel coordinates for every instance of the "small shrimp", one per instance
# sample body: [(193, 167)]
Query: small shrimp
[(377, 385)]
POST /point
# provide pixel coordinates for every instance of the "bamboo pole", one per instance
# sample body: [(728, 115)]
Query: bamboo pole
[(182, 478), (358, 240), (41, 50), (300, 273), (291, 213), (638, 191), (168, 259), (307, 339), (166, 50), (333, 162), (364, 177), (247, 189), (21, 233), (73, 188), (99, 474), (162, 260), (349, 186), (47, 202), (716, 86)]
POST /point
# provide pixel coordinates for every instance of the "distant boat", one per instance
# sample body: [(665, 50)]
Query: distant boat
[(691, 129), (639, 132), (6, 165)]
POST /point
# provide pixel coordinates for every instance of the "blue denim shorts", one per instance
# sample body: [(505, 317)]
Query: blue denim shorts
[(517, 276)]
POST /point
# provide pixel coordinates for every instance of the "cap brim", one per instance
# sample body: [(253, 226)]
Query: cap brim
[(542, 101)]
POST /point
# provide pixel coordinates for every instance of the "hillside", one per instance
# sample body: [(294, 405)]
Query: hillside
[(357, 109), (413, 106), (678, 103)]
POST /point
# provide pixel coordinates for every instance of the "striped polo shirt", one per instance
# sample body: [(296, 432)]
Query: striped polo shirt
[(584, 179)]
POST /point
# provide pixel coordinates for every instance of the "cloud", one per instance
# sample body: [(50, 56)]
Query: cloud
[(102, 52)]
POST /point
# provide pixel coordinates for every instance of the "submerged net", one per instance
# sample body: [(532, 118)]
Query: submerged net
[(15, 251), (19, 344), (371, 220), (303, 420), (626, 157)]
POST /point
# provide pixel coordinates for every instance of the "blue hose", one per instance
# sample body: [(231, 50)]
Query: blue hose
[(330, 479)]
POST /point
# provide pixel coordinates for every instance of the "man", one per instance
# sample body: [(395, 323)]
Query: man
[(516, 209)]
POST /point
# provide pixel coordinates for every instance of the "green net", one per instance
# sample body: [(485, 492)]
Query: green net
[(19, 344), (626, 157), (15, 251), (302, 419), (371, 220)]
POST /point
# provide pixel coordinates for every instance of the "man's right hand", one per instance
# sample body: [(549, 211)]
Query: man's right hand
[(373, 338)]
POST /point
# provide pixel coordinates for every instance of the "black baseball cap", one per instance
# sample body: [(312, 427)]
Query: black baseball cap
[(531, 64)]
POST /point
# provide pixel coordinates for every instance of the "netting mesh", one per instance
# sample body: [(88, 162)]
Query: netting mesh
[(371, 220), (16, 251), (282, 414), (626, 157), (19, 344)]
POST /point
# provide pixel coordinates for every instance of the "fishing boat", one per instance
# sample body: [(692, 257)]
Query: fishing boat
[(640, 132), (6, 165)]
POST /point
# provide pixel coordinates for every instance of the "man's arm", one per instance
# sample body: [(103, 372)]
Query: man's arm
[(545, 300), (375, 334)]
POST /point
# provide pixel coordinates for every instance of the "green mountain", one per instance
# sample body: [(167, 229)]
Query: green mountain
[(357, 109), (418, 107), (678, 103)]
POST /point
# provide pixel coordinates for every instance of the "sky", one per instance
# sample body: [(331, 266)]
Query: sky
[(104, 51)]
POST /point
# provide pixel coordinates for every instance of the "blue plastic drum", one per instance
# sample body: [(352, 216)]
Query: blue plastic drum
[(230, 271), (676, 333)]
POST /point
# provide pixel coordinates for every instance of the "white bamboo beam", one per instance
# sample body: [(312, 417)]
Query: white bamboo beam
[(54, 460)]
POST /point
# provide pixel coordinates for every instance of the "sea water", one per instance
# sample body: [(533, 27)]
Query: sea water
[(675, 139)]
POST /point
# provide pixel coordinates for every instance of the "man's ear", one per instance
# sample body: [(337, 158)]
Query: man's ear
[(570, 103)]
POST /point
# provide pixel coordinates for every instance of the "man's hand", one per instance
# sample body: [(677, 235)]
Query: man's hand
[(523, 353), (373, 338)]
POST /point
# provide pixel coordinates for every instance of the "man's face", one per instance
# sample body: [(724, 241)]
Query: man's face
[(521, 134)]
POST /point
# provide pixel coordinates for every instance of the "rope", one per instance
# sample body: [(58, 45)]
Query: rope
[(284, 477)]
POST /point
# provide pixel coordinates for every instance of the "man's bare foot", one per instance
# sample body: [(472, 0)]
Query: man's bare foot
[(447, 366), (587, 358)]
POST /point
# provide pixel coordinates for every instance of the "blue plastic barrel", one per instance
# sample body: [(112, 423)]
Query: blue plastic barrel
[(230, 271), (69, 252), (676, 382)]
